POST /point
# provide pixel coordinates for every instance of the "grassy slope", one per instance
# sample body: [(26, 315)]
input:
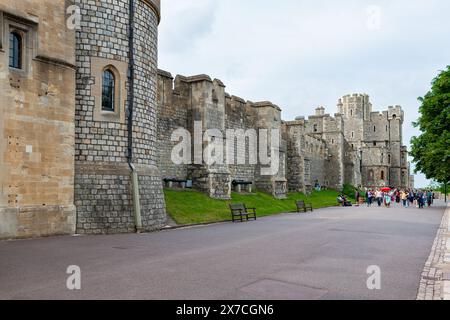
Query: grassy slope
[(191, 207)]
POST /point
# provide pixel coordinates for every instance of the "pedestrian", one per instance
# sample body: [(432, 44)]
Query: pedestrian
[(357, 197), (387, 200), (416, 199), (379, 197), (407, 199), (420, 199), (369, 198), (411, 197), (397, 196), (404, 198), (429, 198)]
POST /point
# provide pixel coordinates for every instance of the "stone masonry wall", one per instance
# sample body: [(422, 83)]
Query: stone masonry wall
[(237, 118), (102, 190), (37, 121)]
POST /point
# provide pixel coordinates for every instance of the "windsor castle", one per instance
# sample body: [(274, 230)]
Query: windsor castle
[(86, 123)]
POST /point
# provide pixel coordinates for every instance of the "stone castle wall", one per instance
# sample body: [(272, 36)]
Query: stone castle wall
[(184, 101), (64, 160), (240, 115), (103, 192), (355, 146), (37, 121)]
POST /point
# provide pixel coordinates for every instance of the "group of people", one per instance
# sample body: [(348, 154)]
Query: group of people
[(417, 198)]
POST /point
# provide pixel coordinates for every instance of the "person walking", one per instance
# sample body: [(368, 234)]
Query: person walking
[(404, 198), (397, 196), (411, 197), (429, 198), (379, 197), (416, 199), (420, 199), (369, 198), (387, 200), (407, 198), (357, 197)]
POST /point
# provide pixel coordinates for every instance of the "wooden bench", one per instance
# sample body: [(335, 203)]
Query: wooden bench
[(303, 206), (240, 211)]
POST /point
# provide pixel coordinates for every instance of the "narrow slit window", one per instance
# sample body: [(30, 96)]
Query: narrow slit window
[(15, 50), (108, 90)]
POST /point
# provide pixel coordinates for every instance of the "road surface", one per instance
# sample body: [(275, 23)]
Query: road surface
[(324, 255)]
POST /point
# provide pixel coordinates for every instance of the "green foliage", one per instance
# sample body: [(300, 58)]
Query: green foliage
[(193, 207), (350, 191), (431, 150), (439, 187)]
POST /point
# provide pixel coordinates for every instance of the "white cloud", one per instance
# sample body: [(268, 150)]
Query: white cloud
[(301, 54)]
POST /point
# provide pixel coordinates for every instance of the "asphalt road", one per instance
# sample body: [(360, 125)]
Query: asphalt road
[(324, 255)]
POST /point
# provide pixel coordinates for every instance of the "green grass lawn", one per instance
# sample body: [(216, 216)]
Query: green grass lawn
[(193, 207)]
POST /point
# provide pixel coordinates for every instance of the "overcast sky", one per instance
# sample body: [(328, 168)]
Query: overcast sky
[(303, 54)]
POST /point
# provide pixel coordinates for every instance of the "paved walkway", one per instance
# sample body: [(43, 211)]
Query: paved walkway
[(324, 255), (435, 281)]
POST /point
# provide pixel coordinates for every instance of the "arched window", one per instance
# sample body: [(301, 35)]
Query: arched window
[(15, 50), (108, 90), (389, 159), (374, 129), (382, 175)]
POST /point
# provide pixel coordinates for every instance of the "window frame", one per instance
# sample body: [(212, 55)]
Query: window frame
[(112, 95), (20, 48), (120, 71), (27, 30)]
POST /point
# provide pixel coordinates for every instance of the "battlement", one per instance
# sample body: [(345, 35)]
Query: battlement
[(196, 78), (164, 74), (354, 97), (155, 5), (237, 99), (265, 104), (296, 122)]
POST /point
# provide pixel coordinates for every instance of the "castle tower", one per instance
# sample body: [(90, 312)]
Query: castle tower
[(118, 187), (268, 117), (355, 109), (37, 106), (207, 120), (398, 156)]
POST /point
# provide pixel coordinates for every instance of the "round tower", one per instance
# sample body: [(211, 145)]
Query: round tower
[(117, 184)]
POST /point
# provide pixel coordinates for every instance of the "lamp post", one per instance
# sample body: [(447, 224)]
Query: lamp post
[(447, 178)]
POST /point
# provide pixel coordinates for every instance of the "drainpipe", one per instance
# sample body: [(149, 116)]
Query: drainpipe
[(134, 175)]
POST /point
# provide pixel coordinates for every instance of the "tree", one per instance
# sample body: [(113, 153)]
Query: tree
[(431, 150)]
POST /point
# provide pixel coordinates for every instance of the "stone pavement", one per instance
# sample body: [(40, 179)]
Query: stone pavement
[(435, 282)]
